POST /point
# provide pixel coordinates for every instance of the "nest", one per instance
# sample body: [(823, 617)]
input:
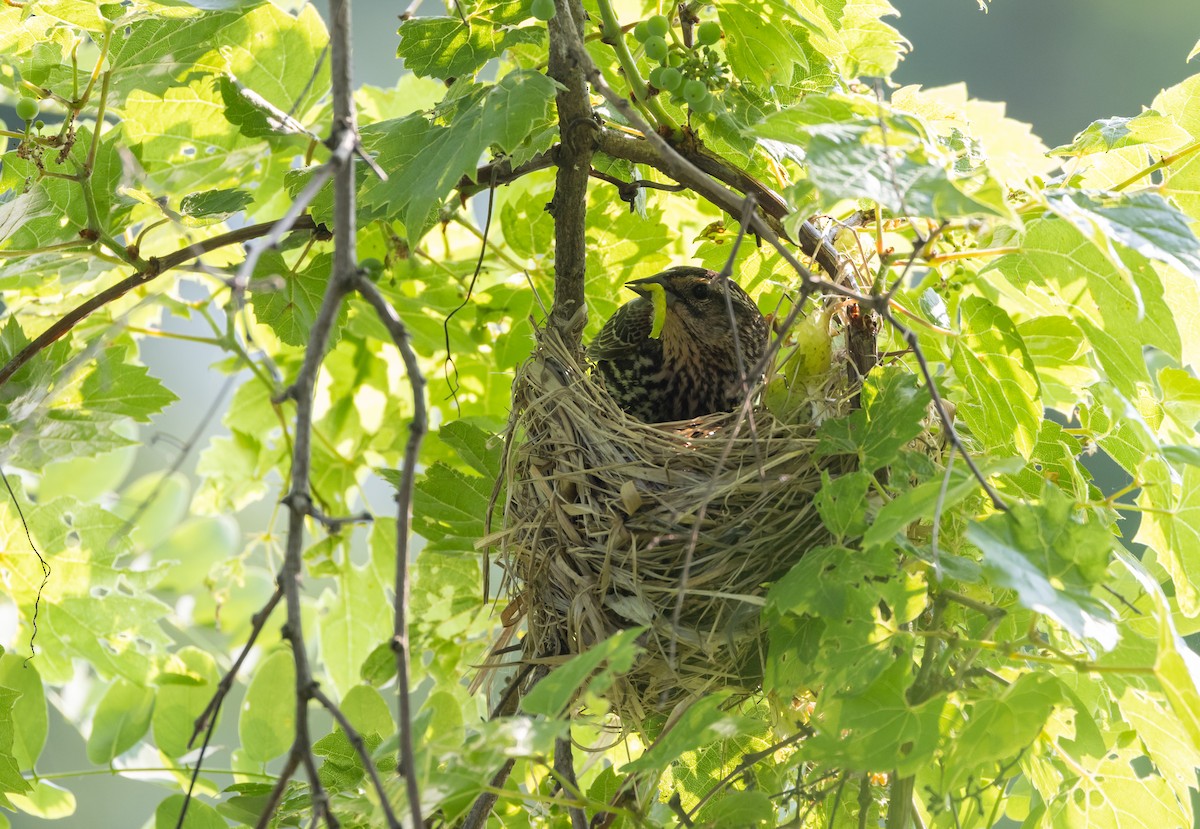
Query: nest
[(605, 516)]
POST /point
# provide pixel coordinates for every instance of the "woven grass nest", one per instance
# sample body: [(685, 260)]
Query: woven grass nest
[(600, 522)]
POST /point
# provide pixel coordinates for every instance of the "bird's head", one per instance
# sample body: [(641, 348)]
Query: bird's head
[(696, 303)]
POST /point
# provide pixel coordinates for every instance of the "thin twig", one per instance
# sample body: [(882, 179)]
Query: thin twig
[(564, 765), (206, 722), (45, 565), (416, 433), (156, 267), (364, 756)]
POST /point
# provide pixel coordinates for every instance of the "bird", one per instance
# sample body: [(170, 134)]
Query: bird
[(687, 363)]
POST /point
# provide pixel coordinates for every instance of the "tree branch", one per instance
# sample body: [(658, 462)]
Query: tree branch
[(157, 267), (772, 208), (577, 130), (416, 432)]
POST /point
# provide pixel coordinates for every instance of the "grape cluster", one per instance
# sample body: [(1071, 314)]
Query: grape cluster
[(687, 75)]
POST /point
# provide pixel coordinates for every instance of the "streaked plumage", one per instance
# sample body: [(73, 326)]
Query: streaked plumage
[(692, 367)]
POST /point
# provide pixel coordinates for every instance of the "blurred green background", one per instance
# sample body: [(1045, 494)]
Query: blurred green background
[(1059, 64)]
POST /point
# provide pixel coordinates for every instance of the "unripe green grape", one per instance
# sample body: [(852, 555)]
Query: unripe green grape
[(669, 78), (39, 124), (27, 109), (694, 91), (708, 33), (658, 25), (641, 31), (703, 104), (656, 48), (543, 9), (675, 59)]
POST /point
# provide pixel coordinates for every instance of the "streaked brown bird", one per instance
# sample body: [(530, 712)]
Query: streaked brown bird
[(692, 367)]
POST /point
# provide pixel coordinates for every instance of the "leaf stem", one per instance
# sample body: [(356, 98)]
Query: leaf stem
[(1165, 161), (982, 253), (612, 35)]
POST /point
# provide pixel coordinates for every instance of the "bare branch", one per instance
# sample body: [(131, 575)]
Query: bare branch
[(364, 756), (416, 432), (156, 268)]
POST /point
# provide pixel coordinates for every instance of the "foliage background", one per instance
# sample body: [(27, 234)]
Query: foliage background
[(1078, 61)]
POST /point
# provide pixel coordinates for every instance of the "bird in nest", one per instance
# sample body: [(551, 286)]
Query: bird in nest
[(672, 353)]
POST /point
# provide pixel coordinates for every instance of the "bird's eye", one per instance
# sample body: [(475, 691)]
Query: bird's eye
[(700, 290)]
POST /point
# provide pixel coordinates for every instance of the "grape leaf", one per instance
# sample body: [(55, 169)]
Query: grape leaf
[(424, 160), (215, 205), (1144, 222), (1051, 560), (29, 714), (759, 48), (446, 47), (892, 416), (1002, 402), (118, 387), (290, 309), (1148, 127)]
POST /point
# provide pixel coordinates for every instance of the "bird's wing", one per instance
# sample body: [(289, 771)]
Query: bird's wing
[(624, 332)]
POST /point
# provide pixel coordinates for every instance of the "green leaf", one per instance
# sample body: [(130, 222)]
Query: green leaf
[(122, 719), (1144, 222), (118, 387), (447, 47), (741, 809), (842, 503), (1148, 127), (450, 504), (1171, 525), (254, 115), (28, 716), (356, 616), (214, 205), (702, 723), (913, 184), (1051, 560), (290, 308), (1002, 405), (47, 800), (920, 503), (998, 728), (11, 781), (1083, 283), (268, 716), (199, 814), (891, 417), (186, 686), (477, 447), (878, 728), (424, 160), (1114, 794), (554, 693), (760, 49)]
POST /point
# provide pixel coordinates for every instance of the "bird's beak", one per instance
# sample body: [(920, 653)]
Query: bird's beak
[(638, 286)]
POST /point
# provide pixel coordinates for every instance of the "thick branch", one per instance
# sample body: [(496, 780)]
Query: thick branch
[(501, 171), (772, 208), (577, 130)]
